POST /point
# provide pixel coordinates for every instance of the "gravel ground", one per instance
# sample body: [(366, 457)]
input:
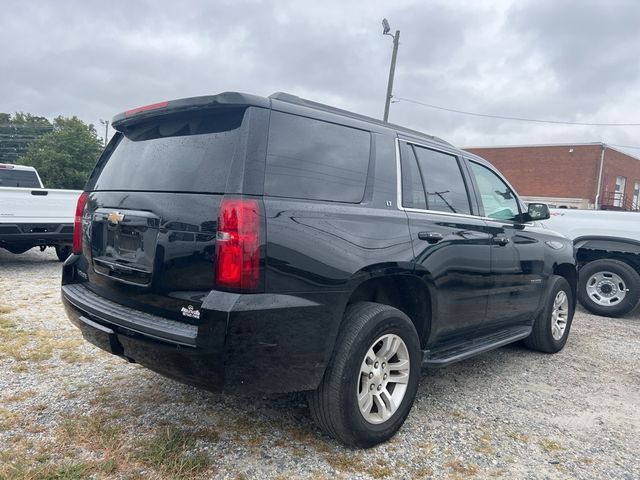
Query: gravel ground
[(69, 410)]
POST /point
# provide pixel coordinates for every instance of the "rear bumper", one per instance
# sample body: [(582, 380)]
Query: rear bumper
[(247, 343), (186, 364), (36, 234)]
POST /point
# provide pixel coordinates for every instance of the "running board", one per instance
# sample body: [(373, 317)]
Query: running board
[(445, 356)]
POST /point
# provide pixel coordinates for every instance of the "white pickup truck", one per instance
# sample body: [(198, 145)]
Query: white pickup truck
[(32, 216), (607, 250)]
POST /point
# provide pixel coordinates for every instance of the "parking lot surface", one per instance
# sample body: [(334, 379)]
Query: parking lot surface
[(69, 410)]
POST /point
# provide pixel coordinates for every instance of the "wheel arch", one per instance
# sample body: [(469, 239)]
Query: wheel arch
[(570, 274), (405, 291), (588, 249)]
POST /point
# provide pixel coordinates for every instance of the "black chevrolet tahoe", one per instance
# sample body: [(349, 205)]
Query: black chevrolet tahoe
[(252, 244)]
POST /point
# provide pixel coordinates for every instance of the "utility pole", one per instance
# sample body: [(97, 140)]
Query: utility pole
[(106, 131), (392, 69)]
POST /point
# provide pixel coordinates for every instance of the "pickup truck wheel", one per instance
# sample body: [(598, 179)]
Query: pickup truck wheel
[(371, 381), (551, 328), (608, 287), (63, 252)]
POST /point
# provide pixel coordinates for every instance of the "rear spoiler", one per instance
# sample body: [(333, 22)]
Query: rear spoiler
[(135, 115)]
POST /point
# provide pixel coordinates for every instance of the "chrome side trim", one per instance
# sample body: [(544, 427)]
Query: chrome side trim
[(398, 176)]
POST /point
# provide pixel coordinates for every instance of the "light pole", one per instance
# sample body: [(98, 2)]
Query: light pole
[(392, 70), (106, 131)]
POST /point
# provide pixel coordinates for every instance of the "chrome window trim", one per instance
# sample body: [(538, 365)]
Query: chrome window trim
[(437, 212)]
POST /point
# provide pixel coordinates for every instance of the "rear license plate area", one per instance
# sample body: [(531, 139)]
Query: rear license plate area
[(124, 250)]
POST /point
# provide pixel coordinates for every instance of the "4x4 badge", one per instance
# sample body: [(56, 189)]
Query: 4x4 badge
[(115, 217)]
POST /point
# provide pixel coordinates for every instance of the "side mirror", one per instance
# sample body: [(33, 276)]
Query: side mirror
[(537, 211)]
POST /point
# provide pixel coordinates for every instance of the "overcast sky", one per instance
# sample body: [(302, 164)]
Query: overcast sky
[(551, 59)]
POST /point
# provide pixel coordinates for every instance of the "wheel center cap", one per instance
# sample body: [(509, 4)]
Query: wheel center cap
[(377, 376), (607, 288)]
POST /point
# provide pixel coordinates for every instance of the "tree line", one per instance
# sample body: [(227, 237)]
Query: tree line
[(63, 151)]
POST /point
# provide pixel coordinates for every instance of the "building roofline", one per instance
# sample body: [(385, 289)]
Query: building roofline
[(592, 144), (537, 145)]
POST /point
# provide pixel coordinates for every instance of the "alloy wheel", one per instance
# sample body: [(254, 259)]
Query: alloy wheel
[(383, 378), (559, 315)]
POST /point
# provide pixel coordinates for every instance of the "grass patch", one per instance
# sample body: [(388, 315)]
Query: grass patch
[(550, 445), (307, 437), (39, 407), (170, 453), (380, 469), (8, 419), (4, 309), (484, 445), (422, 472), (209, 435), (36, 345), (460, 468), (24, 345), (95, 432), (62, 471), (71, 471), (520, 437), (18, 397), (344, 462), (27, 469), (73, 357), (426, 447)]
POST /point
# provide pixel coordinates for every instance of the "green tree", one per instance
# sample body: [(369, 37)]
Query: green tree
[(65, 157), (17, 132)]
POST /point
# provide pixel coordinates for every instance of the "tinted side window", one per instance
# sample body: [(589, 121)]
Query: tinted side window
[(316, 160), (412, 188), (498, 200), (18, 178), (443, 181)]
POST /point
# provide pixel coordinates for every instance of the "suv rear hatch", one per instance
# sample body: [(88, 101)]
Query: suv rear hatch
[(150, 221)]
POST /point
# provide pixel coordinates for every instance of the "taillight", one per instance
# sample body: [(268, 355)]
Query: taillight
[(77, 224), (238, 244)]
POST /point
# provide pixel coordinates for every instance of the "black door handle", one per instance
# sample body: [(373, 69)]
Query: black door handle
[(502, 241), (431, 237)]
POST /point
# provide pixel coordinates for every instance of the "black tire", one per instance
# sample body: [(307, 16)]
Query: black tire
[(334, 405), (628, 275), (63, 252), (541, 338)]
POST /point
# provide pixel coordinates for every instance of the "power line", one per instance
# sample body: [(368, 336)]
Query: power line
[(519, 119)]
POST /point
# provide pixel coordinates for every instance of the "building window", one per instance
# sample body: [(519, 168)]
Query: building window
[(618, 195)]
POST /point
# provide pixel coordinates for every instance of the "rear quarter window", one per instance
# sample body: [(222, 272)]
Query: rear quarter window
[(179, 153), (315, 160)]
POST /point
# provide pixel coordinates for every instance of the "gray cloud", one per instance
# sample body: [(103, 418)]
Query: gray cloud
[(562, 60)]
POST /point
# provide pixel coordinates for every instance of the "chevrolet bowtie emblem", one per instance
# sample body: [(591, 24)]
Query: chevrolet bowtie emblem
[(115, 217)]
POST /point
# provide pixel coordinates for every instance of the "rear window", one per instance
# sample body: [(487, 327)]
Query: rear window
[(315, 160), (18, 178), (174, 154)]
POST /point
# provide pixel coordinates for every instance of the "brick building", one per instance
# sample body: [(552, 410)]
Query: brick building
[(587, 175)]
